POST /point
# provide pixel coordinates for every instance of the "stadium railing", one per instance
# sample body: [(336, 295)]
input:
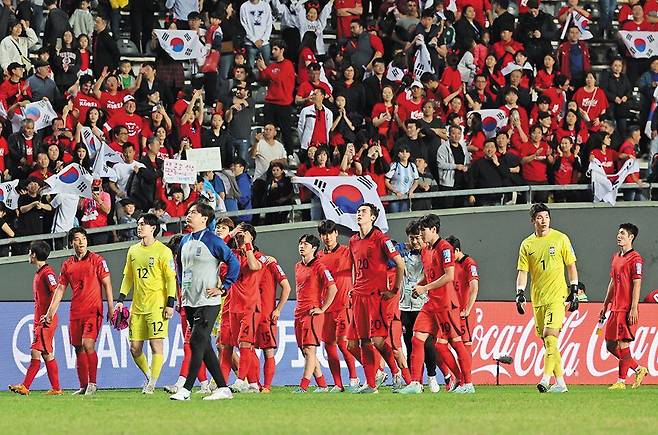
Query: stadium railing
[(176, 225)]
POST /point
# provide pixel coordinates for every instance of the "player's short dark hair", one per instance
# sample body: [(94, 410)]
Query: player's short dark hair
[(73, 231), (454, 242), (279, 43), (152, 220), (40, 249), (412, 229), (327, 226), (632, 130), (311, 240), (127, 145), (250, 229), (538, 208), (630, 228), (204, 210), (430, 221), (373, 209)]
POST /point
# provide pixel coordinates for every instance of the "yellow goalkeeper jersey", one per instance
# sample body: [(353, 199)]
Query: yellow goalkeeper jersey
[(544, 258), (150, 272)]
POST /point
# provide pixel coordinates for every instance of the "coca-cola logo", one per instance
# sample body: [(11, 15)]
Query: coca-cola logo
[(499, 331)]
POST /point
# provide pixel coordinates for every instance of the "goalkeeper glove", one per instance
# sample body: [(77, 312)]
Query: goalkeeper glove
[(573, 297), (520, 301)]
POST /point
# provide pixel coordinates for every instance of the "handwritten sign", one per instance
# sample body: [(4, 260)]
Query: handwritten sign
[(207, 159), (179, 171)]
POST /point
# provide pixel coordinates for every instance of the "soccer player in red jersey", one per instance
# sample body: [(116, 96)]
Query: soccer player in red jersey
[(467, 284), (267, 333), (338, 260), (86, 272), (371, 249), (245, 310), (313, 280), (43, 286), (623, 296), (440, 314)]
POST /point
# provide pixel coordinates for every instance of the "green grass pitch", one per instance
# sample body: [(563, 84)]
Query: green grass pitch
[(492, 410)]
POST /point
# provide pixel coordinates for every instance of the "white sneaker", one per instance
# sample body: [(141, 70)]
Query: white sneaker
[(212, 385), (434, 385), (355, 382), (204, 389), (380, 378), (239, 386), (171, 389), (321, 390), (149, 387), (398, 381), (91, 389), (79, 392), (181, 394), (219, 394), (252, 388)]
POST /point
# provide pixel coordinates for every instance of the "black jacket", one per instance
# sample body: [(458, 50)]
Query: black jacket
[(141, 186), (504, 21), (56, 24), (165, 93), (105, 51), (18, 150), (373, 89), (464, 30), (616, 87)]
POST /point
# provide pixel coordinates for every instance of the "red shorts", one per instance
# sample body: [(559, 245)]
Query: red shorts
[(368, 319), (465, 323), (243, 327), (391, 310), (443, 324), (267, 334), (86, 327), (43, 338), (224, 337), (335, 324), (308, 329), (617, 327)]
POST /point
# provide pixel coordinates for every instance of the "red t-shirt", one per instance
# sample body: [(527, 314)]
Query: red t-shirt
[(40, 175), (477, 140), (480, 7), (43, 286), (466, 270), (306, 56), (534, 170), (112, 103), (85, 277), (544, 80), (193, 131), (557, 98), (370, 256), (384, 127), (281, 86), (306, 87), (593, 103), (133, 122), (578, 135), (339, 263), (320, 129), (625, 14), (505, 57), (245, 293), (628, 147), (451, 81), (632, 26), (409, 109), (624, 269), (83, 103), (271, 275), (4, 152), (312, 281), (435, 261), (564, 174), (607, 159), (29, 151), (316, 171)]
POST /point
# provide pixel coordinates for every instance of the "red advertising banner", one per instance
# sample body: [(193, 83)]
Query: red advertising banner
[(498, 330)]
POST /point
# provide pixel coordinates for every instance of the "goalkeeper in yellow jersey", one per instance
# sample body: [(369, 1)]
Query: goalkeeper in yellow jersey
[(543, 255), (150, 272)]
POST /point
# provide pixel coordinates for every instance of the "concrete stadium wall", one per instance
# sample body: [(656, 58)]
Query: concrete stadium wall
[(491, 235)]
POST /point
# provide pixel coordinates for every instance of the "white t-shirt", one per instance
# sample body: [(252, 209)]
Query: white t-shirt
[(66, 206), (402, 177), (265, 153), (122, 173)]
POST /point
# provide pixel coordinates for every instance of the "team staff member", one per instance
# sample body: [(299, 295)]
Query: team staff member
[(43, 287), (624, 294), (198, 258), (543, 255), (149, 271), (86, 272)]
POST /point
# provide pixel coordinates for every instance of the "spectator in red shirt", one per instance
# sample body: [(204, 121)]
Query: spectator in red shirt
[(176, 206), (346, 12), (190, 126), (280, 75), (111, 100), (558, 96), (536, 156), (573, 57), (83, 99), (4, 152), (506, 48), (95, 212), (304, 96), (574, 128), (483, 10), (603, 153), (15, 89), (451, 80), (592, 102), (41, 170), (628, 150), (565, 169), (120, 136), (128, 118), (545, 75), (638, 23)]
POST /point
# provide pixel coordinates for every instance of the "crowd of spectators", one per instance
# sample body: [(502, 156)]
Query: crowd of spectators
[(400, 90)]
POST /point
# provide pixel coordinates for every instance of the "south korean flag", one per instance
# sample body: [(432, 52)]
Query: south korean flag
[(180, 44)]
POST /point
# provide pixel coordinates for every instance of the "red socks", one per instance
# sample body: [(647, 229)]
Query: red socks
[(53, 374), (268, 371), (417, 359), (348, 357), (406, 375), (443, 351), (389, 357), (225, 362), (321, 381), (368, 352), (304, 383), (31, 373), (626, 361), (82, 364), (92, 359), (334, 363), (245, 363), (254, 371), (465, 359)]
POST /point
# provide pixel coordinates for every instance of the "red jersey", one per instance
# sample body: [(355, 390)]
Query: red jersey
[(628, 148), (370, 256), (193, 131), (652, 297), (339, 263), (632, 26), (271, 275), (564, 174), (534, 170), (607, 159), (112, 103), (133, 122), (625, 14), (83, 103), (85, 276), (624, 269), (312, 281), (505, 57), (245, 294), (306, 87), (43, 286), (544, 80), (409, 109), (466, 270), (281, 77), (480, 7), (4, 152), (593, 103), (435, 261)]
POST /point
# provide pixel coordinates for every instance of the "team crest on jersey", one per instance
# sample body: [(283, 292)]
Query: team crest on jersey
[(107, 269), (390, 246), (327, 274), (151, 261), (53, 281), (551, 250), (638, 268), (446, 255)]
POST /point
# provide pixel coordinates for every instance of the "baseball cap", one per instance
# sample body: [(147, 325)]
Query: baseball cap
[(12, 66), (128, 98), (416, 83)]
